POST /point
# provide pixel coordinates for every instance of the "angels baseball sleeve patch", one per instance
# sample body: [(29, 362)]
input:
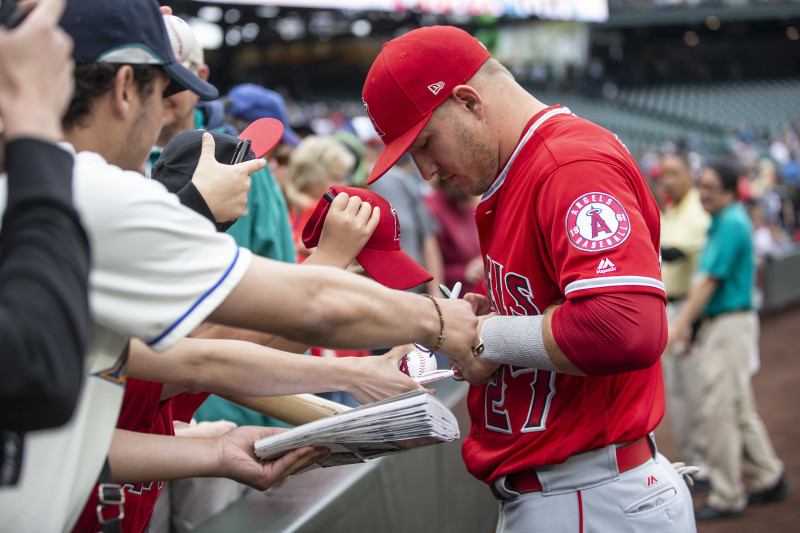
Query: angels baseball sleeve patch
[(597, 222)]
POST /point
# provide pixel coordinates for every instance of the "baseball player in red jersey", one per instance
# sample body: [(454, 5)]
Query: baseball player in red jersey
[(567, 385)]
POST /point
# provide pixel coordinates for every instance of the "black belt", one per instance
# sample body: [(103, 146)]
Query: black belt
[(740, 309)]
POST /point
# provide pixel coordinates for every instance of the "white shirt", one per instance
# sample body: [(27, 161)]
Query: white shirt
[(158, 270)]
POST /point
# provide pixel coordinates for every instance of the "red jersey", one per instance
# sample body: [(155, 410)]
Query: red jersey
[(142, 411), (569, 216)]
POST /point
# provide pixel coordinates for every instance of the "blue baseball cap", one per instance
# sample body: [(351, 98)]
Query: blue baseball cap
[(251, 102), (131, 32)]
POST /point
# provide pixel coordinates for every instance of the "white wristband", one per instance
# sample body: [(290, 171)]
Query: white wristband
[(516, 340)]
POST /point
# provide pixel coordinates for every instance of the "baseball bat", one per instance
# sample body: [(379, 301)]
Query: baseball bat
[(296, 409)]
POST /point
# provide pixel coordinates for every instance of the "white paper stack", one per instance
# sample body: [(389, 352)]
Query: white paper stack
[(390, 426)]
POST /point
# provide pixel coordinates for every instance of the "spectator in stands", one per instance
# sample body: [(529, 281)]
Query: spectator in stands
[(684, 224), (44, 253), (770, 241), (726, 343), (248, 102), (454, 210)]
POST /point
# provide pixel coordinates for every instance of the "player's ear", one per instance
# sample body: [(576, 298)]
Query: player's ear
[(467, 96)]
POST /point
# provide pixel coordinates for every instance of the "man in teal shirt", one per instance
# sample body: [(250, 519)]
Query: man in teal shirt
[(727, 344)]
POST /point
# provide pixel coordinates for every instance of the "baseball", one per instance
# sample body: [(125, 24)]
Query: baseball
[(180, 36), (418, 362)]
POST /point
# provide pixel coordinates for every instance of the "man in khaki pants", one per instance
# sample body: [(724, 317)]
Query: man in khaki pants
[(722, 297), (684, 225)]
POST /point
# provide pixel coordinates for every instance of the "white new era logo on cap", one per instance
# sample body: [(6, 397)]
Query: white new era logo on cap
[(436, 87)]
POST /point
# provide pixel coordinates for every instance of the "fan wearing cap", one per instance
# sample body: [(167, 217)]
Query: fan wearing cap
[(158, 270), (184, 110), (567, 385), (248, 102)]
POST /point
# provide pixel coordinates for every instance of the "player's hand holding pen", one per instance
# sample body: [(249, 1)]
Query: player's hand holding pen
[(468, 366), (458, 326), (473, 367)]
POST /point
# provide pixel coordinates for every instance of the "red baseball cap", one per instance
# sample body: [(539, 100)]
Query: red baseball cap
[(412, 76), (381, 257)]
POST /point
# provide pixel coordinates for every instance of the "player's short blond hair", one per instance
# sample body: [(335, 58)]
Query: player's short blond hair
[(491, 68)]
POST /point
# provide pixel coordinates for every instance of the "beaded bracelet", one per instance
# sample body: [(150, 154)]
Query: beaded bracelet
[(441, 321)]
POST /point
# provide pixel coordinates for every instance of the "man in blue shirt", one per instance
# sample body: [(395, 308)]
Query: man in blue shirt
[(727, 343)]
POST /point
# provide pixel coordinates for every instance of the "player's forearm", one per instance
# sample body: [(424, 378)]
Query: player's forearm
[(525, 341), (592, 336), (139, 457)]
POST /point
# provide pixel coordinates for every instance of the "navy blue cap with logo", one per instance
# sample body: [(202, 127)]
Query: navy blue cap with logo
[(130, 32)]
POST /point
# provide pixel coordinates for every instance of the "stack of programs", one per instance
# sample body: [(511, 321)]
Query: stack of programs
[(407, 421)]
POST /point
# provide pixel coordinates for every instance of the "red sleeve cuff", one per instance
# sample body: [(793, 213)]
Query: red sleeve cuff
[(611, 333)]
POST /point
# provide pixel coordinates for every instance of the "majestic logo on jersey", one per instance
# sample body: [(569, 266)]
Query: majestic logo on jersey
[(374, 124), (651, 480), (606, 266), (597, 221), (436, 87)]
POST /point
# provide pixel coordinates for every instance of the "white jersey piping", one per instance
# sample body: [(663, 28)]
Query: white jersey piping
[(614, 281), (502, 177)]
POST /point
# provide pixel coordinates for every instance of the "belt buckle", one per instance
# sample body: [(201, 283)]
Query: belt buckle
[(110, 495)]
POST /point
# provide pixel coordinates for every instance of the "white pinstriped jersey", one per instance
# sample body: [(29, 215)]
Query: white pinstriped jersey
[(158, 269), (570, 215)]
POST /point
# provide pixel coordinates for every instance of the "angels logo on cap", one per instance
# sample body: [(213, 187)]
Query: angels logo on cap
[(597, 221)]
